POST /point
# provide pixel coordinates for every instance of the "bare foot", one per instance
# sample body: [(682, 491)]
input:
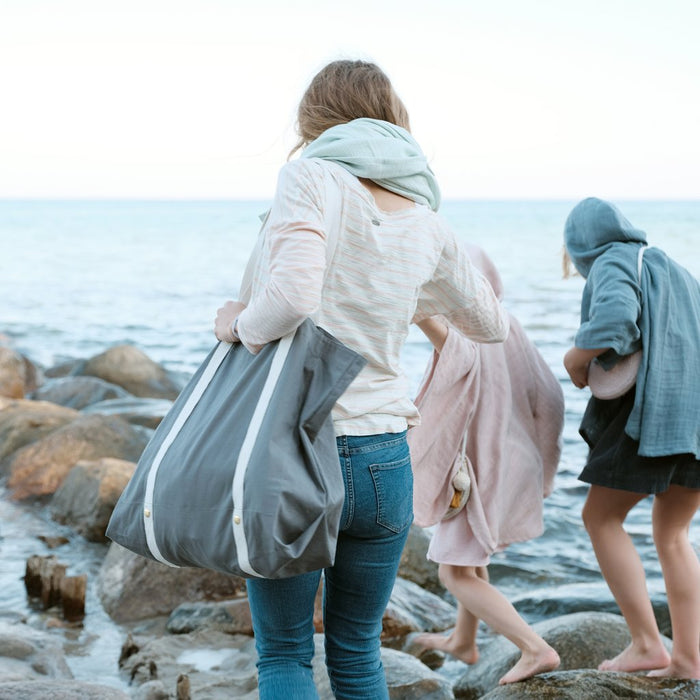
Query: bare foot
[(467, 653), (635, 659), (530, 664), (677, 670)]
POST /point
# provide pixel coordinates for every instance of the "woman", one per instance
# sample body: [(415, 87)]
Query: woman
[(391, 261), (646, 442)]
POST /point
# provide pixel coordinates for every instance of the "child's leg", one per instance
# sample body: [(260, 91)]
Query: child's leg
[(672, 513), (484, 601), (604, 514), (461, 643)]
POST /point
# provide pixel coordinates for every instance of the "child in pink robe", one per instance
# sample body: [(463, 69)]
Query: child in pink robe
[(512, 408)]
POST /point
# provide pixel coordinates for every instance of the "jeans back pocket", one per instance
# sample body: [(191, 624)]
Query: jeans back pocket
[(393, 483)]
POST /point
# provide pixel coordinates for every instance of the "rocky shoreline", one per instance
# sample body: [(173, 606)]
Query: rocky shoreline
[(69, 439)]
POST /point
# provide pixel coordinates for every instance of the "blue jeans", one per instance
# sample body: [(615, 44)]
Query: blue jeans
[(376, 516)]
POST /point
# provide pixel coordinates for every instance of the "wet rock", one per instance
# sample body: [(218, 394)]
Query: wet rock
[(59, 690), (132, 587), (78, 392), (86, 499), (27, 654), (587, 684), (23, 422), (415, 566), (412, 609), (133, 370), (218, 666), (40, 468), (145, 412), (582, 640), (230, 616)]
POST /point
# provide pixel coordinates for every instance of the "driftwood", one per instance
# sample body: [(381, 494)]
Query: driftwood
[(45, 579)]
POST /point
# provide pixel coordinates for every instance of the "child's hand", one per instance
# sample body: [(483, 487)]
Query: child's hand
[(576, 362)]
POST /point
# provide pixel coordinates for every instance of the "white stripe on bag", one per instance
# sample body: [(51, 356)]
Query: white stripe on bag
[(148, 512), (251, 437)]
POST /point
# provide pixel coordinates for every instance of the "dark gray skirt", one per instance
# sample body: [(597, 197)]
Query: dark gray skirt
[(613, 460)]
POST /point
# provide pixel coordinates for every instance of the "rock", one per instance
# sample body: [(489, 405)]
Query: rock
[(78, 392), (13, 374), (218, 666), (230, 616), (86, 499), (59, 690), (587, 684), (23, 422), (412, 609), (64, 368), (432, 658), (583, 597), (27, 654), (406, 677), (415, 566), (133, 370), (40, 468), (152, 690), (146, 412), (582, 640), (42, 579), (132, 587)]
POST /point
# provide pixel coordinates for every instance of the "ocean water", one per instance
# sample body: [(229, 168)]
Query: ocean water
[(79, 276)]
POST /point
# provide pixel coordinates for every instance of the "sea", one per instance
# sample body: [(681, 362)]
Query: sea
[(77, 277)]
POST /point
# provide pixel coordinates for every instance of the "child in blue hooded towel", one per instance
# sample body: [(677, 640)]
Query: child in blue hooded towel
[(646, 442)]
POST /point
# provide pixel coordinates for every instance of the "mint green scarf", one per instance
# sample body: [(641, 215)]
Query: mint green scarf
[(382, 152)]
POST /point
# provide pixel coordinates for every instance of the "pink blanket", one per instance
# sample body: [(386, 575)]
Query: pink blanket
[(512, 406)]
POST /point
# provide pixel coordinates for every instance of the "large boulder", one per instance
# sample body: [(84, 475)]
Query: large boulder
[(28, 654), (23, 422), (86, 499), (415, 565), (133, 370), (40, 468), (132, 587), (78, 392), (587, 684), (582, 640)]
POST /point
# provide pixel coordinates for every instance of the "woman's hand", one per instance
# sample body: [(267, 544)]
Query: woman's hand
[(225, 317), (576, 362)]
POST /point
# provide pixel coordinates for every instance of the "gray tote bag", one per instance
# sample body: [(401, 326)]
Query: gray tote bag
[(242, 475)]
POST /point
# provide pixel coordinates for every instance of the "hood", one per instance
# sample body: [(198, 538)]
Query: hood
[(594, 226)]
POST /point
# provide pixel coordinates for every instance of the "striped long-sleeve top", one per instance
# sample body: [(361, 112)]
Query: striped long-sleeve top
[(387, 270)]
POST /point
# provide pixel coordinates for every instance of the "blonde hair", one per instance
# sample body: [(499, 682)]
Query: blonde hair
[(567, 266), (345, 90)]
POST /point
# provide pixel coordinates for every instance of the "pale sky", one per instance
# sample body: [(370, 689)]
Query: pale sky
[(196, 98)]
